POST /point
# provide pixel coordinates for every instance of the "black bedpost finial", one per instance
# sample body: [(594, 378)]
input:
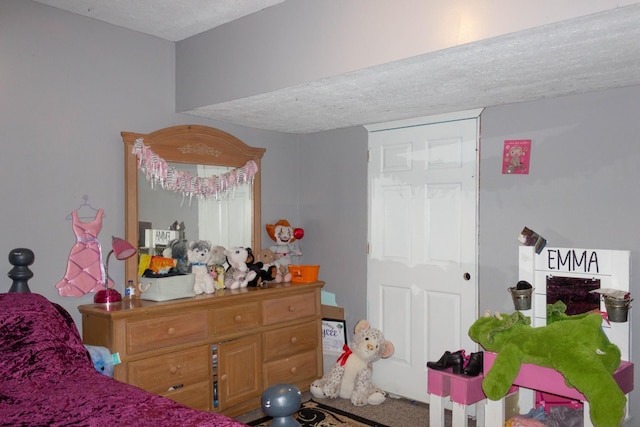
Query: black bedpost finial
[(21, 259)]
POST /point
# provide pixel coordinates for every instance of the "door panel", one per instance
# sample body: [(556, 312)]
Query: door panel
[(422, 241)]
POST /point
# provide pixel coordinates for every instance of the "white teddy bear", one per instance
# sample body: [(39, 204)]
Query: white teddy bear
[(351, 376), (199, 255)]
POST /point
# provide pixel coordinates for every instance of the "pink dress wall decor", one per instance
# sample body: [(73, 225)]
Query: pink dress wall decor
[(85, 271)]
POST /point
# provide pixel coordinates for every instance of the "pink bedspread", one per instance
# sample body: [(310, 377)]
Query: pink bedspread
[(47, 377)]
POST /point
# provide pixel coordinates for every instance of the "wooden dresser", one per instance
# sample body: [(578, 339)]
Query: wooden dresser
[(226, 347)]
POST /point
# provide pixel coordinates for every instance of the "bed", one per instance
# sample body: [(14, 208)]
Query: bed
[(48, 378)]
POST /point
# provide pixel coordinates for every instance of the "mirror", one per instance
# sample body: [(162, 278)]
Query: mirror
[(165, 215), (203, 152)]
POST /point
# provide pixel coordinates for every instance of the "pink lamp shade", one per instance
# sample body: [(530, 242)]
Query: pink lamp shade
[(122, 250)]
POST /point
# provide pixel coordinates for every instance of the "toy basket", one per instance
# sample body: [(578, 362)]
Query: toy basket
[(304, 273)]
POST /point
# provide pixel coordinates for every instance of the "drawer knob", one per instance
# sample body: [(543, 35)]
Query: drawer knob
[(171, 331), (294, 340), (223, 377), (238, 318), (294, 370), (173, 370), (292, 308)]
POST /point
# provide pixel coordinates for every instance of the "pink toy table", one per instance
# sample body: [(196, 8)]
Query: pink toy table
[(462, 390), (538, 378)]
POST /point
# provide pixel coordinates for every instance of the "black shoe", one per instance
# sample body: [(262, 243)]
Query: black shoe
[(449, 360), (474, 366)]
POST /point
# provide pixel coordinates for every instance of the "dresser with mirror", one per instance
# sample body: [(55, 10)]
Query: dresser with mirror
[(218, 351)]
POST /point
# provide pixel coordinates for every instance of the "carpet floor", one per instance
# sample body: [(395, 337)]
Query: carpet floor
[(393, 412), (313, 414)]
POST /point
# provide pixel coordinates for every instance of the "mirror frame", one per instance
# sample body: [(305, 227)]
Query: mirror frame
[(193, 144)]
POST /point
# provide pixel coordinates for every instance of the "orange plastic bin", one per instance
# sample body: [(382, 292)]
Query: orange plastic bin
[(304, 273)]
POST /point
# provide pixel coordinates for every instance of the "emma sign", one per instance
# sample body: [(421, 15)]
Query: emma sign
[(571, 260)]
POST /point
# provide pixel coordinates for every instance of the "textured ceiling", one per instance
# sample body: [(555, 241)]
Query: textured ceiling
[(594, 52), (172, 20), (590, 53)]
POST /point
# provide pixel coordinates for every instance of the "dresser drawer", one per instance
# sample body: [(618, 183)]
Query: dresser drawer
[(289, 308), (237, 317), (291, 369), (151, 334), (287, 341), (174, 370), (198, 396)]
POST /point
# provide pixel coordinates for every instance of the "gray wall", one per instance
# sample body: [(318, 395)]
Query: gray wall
[(333, 204), (581, 191), (69, 85)]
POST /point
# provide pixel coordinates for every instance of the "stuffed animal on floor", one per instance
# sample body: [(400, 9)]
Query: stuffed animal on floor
[(199, 255), (238, 274), (271, 271), (351, 376), (102, 359), (575, 346), (283, 235)]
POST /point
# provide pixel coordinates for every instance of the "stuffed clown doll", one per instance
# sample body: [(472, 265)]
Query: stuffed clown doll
[(284, 235)]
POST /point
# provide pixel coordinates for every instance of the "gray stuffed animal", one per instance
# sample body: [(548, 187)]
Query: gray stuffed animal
[(177, 249)]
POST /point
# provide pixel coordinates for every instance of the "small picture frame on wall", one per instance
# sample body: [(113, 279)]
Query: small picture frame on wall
[(334, 336), (516, 156)]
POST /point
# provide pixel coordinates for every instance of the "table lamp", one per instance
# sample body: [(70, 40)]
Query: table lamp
[(122, 250)]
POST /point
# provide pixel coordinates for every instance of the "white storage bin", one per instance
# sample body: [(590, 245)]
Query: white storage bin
[(167, 288)]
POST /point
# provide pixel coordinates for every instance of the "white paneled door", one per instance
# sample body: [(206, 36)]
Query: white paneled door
[(422, 264)]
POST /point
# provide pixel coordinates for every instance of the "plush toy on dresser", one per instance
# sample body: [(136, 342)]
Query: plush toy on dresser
[(216, 266), (178, 250), (351, 376), (199, 255), (238, 274), (256, 266), (282, 233), (271, 272)]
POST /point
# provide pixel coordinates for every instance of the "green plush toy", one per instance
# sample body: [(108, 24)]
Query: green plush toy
[(575, 346), (556, 312)]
